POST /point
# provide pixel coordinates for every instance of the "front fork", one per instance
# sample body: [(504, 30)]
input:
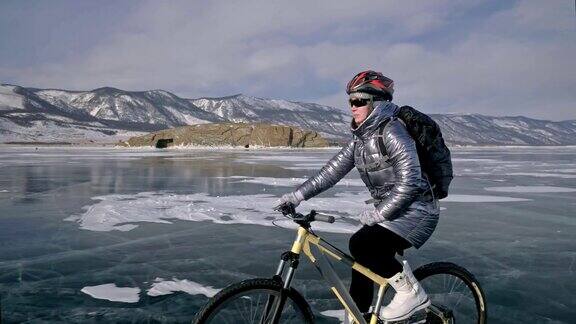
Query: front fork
[(273, 306), (293, 260)]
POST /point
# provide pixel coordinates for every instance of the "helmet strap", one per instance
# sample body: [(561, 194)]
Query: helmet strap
[(371, 103)]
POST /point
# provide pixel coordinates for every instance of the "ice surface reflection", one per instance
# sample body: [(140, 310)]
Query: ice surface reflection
[(80, 225)]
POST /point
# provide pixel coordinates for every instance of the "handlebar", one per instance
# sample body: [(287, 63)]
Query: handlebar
[(322, 217), (289, 211)]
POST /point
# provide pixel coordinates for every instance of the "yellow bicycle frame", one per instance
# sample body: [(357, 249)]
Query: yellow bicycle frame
[(302, 244)]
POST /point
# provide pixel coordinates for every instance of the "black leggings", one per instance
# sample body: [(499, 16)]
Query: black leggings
[(374, 247)]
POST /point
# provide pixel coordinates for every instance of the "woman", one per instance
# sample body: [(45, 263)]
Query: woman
[(405, 212)]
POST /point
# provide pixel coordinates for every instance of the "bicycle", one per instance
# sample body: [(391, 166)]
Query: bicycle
[(273, 300)]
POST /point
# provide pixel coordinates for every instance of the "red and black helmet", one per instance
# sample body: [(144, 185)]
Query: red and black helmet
[(373, 83)]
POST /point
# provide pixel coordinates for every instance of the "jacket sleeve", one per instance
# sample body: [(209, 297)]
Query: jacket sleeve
[(401, 150), (330, 174)]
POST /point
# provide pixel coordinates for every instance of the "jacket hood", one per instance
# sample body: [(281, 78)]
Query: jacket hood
[(383, 111)]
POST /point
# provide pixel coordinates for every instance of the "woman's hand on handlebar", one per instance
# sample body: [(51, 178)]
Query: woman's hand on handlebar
[(286, 208), (293, 198)]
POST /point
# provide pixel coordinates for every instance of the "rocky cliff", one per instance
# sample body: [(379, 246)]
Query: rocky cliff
[(229, 134)]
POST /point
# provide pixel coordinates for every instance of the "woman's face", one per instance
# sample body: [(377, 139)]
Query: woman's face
[(361, 108)]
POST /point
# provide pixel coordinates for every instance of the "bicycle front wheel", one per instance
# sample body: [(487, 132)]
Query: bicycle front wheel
[(455, 294), (252, 301)]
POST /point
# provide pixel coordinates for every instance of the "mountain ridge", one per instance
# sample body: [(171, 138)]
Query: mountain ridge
[(294, 101), (28, 112)]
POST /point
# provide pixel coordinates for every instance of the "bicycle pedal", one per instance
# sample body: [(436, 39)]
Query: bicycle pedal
[(419, 317)]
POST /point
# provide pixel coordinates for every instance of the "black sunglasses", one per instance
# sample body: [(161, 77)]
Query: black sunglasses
[(358, 102)]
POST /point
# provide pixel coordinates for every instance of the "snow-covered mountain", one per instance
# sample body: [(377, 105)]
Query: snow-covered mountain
[(474, 129), (29, 114), (329, 121), (462, 129), (109, 114)]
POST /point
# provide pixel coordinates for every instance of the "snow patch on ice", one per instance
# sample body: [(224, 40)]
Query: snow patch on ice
[(127, 212), (473, 160), (305, 166), (544, 175), (281, 158), (162, 287), (290, 182), (124, 212), (337, 313), (113, 293), (531, 189), (566, 171), (480, 198), (292, 162)]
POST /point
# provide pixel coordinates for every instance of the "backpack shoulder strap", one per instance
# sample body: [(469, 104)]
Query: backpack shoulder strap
[(381, 130)]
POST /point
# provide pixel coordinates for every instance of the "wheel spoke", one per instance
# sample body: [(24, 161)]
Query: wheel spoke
[(449, 289), (459, 299), (256, 305), (240, 312), (253, 313), (249, 309)]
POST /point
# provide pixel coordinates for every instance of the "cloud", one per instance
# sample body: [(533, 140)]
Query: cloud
[(445, 56), (533, 16), (204, 44)]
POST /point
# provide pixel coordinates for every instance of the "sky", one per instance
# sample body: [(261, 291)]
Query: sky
[(492, 57)]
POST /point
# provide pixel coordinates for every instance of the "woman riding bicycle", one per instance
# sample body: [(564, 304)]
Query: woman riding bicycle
[(405, 211)]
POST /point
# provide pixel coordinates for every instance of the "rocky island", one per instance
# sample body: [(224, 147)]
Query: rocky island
[(230, 134)]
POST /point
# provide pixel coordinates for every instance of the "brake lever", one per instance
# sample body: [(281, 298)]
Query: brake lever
[(286, 208)]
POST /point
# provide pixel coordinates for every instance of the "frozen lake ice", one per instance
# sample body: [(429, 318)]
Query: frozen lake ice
[(134, 235)]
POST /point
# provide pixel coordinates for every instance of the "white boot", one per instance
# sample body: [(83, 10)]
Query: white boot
[(410, 296)]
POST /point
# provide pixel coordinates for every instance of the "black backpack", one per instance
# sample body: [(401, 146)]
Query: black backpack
[(433, 153)]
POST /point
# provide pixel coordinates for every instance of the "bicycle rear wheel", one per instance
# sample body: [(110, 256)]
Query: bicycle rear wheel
[(455, 294), (251, 301)]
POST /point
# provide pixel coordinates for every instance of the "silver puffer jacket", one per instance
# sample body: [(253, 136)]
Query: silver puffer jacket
[(399, 191)]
